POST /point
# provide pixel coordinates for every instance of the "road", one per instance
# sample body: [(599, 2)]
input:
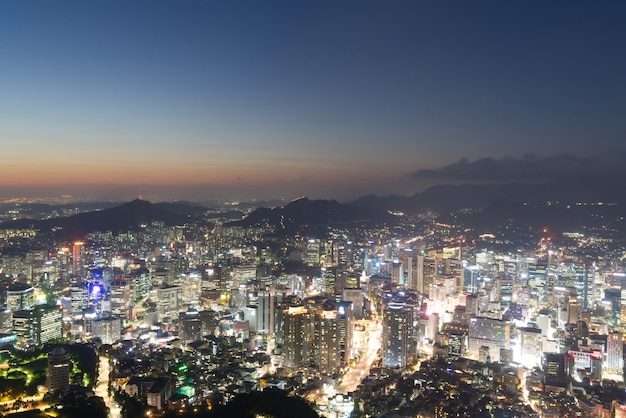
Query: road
[(361, 369), (102, 388)]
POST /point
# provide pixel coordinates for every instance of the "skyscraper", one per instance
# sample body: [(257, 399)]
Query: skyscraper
[(58, 370), (296, 336), (396, 335), (615, 353)]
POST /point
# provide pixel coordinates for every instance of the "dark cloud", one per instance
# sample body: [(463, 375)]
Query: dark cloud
[(529, 168)]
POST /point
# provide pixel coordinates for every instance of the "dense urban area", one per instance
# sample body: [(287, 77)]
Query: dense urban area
[(180, 309)]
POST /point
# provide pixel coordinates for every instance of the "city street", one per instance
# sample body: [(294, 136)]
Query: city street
[(102, 388), (361, 369)]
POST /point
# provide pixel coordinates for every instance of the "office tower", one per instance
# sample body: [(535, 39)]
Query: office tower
[(296, 335), (396, 335), (504, 291), (242, 274), (190, 325), (531, 347), (169, 302), (623, 305), (456, 344), (22, 326), (265, 313), (326, 347), (79, 299), (140, 283), (47, 323), (39, 325), (345, 317), (544, 322), (615, 353), (109, 330), (492, 333), (397, 273), (573, 310), (20, 296), (355, 295), (120, 299), (191, 286), (312, 257), (557, 369), (58, 370), (427, 269), (5, 321), (329, 282), (472, 305), (77, 258)]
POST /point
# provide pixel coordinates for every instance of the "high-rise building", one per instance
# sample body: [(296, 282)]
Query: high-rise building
[(190, 325), (615, 353), (557, 369), (492, 333), (296, 334), (265, 313), (355, 295), (58, 370), (396, 335), (20, 296), (47, 323), (77, 258), (169, 301), (326, 341), (345, 317), (120, 298), (109, 330), (79, 299)]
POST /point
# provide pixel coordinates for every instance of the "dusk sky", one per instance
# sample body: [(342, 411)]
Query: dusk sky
[(332, 99)]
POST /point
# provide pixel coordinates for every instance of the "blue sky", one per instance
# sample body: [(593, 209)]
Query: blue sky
[(263, 99)]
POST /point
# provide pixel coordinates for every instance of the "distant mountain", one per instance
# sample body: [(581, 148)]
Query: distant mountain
[(306, 214), (128, 216), (605, 220), (453, 197)]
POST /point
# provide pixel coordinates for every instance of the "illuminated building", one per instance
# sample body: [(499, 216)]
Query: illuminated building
[(345, 317), (20, 296), (140, 283), (169, 301), (5, 321), (614, 353), (296, 333), (355, 295), (312, 256), (265, 313), (504, 291), (39, 325), (531, 346), (79, 298), (47, 323), (58, 370), (557, 369), (190, 325), (77, 258), (120, 298), (396, 335), (107, 329), (326, 340), (487, 332)]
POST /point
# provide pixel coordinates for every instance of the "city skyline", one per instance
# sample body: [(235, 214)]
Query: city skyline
[(276, 99)]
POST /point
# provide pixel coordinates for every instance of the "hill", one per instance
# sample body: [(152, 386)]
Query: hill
[(125, 217), (305, 214)]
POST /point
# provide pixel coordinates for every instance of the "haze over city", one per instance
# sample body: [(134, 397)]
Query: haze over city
[(243, 100)]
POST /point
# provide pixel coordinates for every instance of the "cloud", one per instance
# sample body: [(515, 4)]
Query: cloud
[(529, 168)]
